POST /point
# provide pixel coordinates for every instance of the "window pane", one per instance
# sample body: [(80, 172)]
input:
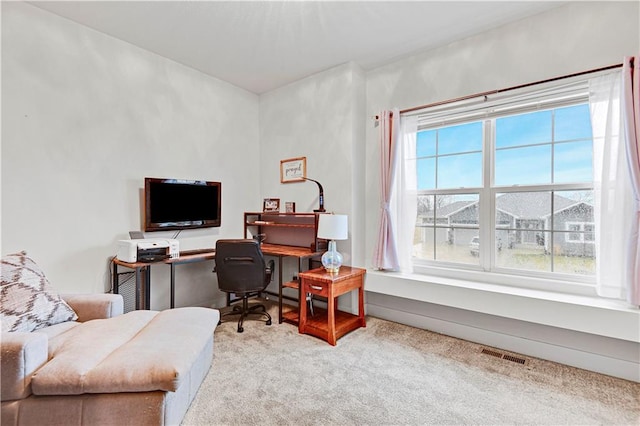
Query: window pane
[(458, 245), (446, 227), (426, 143), (459, 209), (524, 211), (460, 171), (423, 247), (527, 256), (573, 258), (572, 123), (523, 166), (572, 208), (426, 173), (457, 221), (523, 129), (573, 162), (463, 138)]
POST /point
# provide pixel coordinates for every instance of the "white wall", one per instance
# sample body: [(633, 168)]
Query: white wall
[(572, 38), (319, 118), (85, 117)]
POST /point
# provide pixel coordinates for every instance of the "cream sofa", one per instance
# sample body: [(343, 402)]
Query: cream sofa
[(107, 368)]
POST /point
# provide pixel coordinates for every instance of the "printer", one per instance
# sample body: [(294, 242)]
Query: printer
[(147, 250)]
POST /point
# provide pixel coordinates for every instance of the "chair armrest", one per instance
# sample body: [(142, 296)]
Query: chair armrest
[(271, 266), (95, 306), (22, 355)]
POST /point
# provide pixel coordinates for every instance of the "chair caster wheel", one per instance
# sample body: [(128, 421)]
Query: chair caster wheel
[(268, 322), (240, 329)]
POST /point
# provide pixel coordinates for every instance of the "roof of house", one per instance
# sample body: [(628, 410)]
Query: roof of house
[(531, 205), (522, 205), (455, 207)]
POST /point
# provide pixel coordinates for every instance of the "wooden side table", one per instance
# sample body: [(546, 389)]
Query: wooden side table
[(331, 324)]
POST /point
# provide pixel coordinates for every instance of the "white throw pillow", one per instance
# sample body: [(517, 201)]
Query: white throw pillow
[(27, 299)]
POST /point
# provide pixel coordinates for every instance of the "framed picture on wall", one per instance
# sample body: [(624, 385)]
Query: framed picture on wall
[(271, 205), (293, 170)]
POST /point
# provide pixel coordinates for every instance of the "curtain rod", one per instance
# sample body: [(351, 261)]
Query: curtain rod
[(493, 92)]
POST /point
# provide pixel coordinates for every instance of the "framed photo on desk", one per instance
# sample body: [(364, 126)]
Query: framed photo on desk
[(271, 205)]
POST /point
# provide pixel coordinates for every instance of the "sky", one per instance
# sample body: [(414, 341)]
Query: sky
[(542, 147)]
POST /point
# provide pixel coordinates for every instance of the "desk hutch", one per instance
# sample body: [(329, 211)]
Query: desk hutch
[(287, 235)]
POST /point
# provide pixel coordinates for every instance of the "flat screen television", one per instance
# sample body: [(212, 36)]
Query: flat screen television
[(181, 204)]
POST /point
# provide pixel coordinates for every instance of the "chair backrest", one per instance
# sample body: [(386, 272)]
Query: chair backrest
[(240, 266)]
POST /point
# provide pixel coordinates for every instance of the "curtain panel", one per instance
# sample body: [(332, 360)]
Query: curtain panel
[(610, 184), (631, 125), (385, 256), (404, 193), (613, 101)]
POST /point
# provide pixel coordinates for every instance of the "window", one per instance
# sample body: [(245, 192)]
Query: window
[(580, 232), (508, 188)]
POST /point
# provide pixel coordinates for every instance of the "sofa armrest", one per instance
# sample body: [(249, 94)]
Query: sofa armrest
[(22, 355), (95, 306)]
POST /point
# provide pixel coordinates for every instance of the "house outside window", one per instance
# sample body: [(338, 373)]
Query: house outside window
[(510, 192)]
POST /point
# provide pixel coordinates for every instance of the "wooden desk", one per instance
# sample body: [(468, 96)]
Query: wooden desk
[(143, 271), (282, 251), (143, 292), (332, 324)]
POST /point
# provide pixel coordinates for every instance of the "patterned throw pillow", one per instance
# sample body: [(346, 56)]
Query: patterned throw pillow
[(27, 300)]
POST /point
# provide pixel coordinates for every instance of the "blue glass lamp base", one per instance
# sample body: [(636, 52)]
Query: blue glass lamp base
[(331, 259)]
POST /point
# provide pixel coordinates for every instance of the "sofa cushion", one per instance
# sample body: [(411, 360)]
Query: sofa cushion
[(27, 299), (136, 352), (57, 329)]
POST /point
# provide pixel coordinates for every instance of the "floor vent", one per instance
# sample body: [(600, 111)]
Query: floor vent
[(501, 355), (492, 353)]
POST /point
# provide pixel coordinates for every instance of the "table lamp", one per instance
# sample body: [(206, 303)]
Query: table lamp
[(332, 227)]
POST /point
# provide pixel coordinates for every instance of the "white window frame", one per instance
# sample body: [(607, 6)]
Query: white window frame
[(569, 94)]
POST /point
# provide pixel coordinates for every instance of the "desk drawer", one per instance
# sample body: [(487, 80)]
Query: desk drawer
[(316, 287)]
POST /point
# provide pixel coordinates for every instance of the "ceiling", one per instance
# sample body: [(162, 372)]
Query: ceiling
[(262, 45)]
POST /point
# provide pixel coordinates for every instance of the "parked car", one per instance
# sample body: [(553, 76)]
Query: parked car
[(474, 246)]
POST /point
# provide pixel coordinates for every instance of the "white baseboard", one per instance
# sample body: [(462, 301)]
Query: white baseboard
[(599, 363)]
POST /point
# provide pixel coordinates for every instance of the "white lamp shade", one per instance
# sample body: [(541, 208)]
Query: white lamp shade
[(333, 227)]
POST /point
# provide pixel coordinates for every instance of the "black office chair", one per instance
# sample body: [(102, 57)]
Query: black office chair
[(242, 270)]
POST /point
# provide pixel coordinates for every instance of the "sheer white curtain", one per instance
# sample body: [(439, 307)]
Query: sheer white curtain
[(631, 123), (612, 186), (404, 193)]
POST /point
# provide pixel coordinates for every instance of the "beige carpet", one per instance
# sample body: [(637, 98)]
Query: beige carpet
[(391, 374)]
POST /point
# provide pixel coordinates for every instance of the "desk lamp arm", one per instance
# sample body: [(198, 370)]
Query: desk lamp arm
[(320, 196)]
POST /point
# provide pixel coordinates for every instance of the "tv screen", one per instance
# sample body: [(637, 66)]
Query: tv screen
[(181, 204)]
